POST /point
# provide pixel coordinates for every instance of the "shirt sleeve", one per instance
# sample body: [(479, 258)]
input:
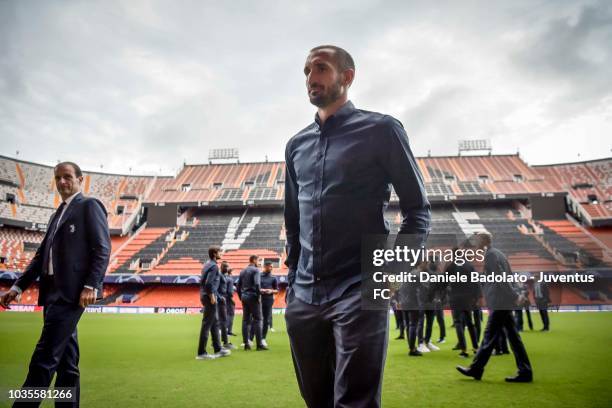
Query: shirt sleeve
[(406, 178), (257, 281), (292, 216)]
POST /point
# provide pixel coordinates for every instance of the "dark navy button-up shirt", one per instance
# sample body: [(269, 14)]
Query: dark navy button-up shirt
[(337, 186), (268, 281), (249, 282), (211, 278)]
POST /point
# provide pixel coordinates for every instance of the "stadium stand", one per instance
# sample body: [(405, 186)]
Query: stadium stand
[(141, 251), (238, 206), (28, 196), (589, 185)]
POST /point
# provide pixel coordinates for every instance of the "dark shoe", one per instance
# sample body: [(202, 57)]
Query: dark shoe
[(247, 347), (545, 329), (400, 338), (464, 354), (415, 353), (520, 378), (457, 347), (470, 372), (262, 348), (231, 334)]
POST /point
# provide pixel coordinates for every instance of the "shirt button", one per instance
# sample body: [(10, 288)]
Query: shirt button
[(317, 278)]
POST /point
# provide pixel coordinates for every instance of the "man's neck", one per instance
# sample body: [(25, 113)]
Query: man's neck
[(70, 197), (327, 111)]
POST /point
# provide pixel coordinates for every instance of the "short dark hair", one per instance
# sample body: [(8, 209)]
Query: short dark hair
[(342, 58), (77, 169), (212, 251), (253, 258)]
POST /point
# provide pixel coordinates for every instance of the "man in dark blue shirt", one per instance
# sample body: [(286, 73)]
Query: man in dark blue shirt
[(209, 294), (222, 307), (229, 295), (249, 291), (269, 287), (339, 173)]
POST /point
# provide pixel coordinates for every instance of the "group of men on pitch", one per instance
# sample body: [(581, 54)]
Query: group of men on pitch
[(417, 305), (256, 292)]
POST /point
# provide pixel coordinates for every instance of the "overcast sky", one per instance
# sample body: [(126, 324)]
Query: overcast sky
[(149, 84)]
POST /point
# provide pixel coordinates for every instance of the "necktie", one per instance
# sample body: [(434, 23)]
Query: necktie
[(51, 231)]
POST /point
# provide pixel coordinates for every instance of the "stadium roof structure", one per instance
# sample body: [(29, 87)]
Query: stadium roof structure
[(446, 178)]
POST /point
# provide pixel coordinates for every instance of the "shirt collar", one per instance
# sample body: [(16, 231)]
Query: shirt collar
[(69, 199), (342, 113)]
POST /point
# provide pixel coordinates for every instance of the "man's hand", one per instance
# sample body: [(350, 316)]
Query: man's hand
[(213, 299), (7, 298), (88, 296)]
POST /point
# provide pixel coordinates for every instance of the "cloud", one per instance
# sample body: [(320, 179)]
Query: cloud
[(149, 84)]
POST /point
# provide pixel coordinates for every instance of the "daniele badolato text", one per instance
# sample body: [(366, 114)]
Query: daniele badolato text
[(390, 268)]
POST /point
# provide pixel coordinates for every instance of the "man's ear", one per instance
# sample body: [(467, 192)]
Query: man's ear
[(349, 76)]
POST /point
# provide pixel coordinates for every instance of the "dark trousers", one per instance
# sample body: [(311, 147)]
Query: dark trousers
[(251, 315), (519, 318), (426, 319), (477, 313), (439, 313), (209, 326), (501, 346), (462, 319), (338, 351), (266, 311), (399, 321), (57, 351), (231, 306), (411, 318), (544, 316), (500, 320), (222, 319)]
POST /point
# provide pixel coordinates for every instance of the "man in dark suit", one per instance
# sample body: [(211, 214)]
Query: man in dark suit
[(501, 300), (249, 292), (70, 263), (209, 295), (542, 299)]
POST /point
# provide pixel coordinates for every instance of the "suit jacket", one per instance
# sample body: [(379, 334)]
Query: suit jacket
[(81, 251), (502, 295)]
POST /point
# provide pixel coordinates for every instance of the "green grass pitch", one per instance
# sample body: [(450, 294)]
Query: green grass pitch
[(148, 361)]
